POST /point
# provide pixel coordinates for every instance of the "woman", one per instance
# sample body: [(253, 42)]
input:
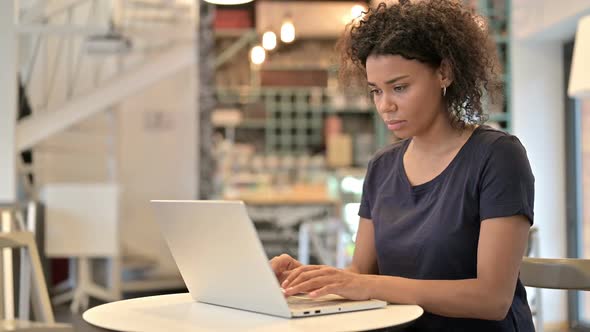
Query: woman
[(445, 212)]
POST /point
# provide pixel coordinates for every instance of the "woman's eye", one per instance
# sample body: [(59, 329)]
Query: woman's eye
[(374, 92), (399, 88)]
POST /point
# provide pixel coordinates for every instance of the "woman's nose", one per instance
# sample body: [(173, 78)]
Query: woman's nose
[(386, 104)]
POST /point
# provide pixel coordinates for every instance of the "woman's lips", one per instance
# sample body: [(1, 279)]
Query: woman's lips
[(395, 124)]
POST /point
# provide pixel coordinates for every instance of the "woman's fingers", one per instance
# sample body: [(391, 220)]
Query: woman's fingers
[(282, 263), (293, 274), (276, 265), (328, 289), (307, 275), (327, 280), (311, 285)]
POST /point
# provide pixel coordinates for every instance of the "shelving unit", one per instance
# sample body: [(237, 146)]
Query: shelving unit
[(498, 15), (292, 119)]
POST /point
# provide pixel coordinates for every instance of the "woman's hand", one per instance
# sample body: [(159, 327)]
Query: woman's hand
[(282, 265), (319, 280)]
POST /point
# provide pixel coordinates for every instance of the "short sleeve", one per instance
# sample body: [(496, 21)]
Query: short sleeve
[(507, 182), (365, 207)]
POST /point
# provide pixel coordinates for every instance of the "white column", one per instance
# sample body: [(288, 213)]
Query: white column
[(8, 108), (8, 101), (539, 121), (196, 88)]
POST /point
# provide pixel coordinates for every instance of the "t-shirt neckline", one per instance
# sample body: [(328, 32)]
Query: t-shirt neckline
[(426, 185)]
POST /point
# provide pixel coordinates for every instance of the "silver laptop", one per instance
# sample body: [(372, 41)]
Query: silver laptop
[(222, 261)]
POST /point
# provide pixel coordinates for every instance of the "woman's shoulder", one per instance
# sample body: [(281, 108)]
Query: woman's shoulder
[(489, 135), (491, 142), (389, 152)]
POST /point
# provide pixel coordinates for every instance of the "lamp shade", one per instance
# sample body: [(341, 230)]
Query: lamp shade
[(579, 85), (228, 2)]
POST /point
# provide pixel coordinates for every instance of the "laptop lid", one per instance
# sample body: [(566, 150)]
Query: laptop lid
[(220, 258)]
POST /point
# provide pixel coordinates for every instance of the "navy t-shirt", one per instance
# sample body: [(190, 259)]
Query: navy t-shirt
[(431, 231)]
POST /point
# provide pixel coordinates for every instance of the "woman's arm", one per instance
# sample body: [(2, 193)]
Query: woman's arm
[(502, 243), (364, 260)]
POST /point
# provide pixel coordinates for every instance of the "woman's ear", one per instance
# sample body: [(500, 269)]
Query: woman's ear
[(445, 73)]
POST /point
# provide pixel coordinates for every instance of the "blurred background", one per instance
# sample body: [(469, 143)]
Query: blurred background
[(105, 105)]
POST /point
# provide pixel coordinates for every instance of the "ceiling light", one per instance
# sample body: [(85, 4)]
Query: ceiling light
[(287, 31), (269, 40), (257, 55)]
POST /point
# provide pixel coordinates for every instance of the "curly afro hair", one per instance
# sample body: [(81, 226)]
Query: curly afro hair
[(429, 31)]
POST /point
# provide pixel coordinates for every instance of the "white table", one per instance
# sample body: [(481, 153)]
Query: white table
[(178, 312)]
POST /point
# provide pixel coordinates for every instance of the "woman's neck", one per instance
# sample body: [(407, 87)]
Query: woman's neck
[(441, 138)]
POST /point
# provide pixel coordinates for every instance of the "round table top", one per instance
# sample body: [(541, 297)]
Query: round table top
[(179, 312)]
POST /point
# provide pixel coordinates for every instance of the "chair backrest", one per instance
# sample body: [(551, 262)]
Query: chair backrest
[(556, 273)]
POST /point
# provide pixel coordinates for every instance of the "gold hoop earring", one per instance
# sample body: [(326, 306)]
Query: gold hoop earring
[(444, 91)]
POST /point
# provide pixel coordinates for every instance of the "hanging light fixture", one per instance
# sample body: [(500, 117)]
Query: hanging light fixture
[(228, 2), (287, 30), (269, 40), (579, 85), (257, 55)]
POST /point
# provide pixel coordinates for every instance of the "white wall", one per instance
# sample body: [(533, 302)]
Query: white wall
[(157, 155), (540, 28), (538, 120), (155, 144), (547, 19)]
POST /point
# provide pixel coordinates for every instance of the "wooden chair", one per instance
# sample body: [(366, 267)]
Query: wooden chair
[(41, 305)]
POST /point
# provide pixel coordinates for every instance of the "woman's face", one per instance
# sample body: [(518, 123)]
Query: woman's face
[(407, 94)]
